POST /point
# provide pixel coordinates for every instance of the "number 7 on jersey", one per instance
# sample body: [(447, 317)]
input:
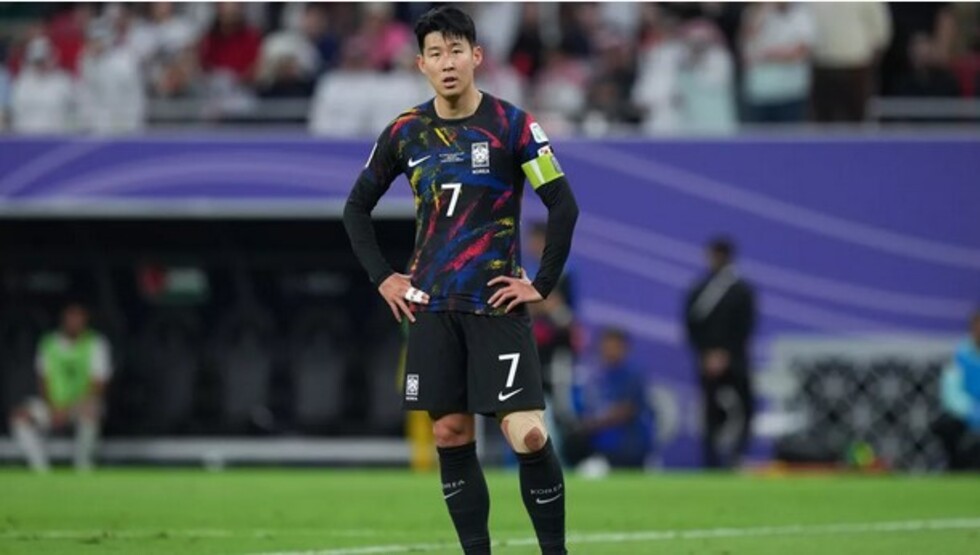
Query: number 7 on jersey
[(456, 187)]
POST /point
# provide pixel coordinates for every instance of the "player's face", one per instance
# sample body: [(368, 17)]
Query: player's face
[(74, 320), (449, 63)]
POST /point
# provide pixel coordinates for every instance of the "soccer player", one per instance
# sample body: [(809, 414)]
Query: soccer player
[(466, 155), (74, 366)]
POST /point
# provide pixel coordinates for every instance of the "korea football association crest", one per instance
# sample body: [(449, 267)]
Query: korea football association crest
[(480, 156), (412, 387)]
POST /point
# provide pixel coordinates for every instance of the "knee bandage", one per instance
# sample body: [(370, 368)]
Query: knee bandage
[(518, 425)]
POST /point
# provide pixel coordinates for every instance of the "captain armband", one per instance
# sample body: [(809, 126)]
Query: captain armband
[(543, 169)]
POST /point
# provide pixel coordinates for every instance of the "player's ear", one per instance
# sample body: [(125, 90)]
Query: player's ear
[(419, 61), (477, 55)]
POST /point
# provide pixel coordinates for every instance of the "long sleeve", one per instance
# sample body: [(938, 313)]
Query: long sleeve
[(371, 185), (562, 215)]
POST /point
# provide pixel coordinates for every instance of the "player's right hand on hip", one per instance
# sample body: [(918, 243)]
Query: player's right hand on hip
[(398, 292)]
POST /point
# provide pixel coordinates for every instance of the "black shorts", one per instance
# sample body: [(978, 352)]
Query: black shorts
[(460, 362)]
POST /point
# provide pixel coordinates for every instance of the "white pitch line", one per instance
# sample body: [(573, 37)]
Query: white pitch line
[(668, 535), (201, 533)]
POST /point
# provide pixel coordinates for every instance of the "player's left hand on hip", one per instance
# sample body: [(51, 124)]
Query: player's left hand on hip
[(514, 292)]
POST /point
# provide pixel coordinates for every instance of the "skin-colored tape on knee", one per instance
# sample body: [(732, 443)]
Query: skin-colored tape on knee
[(517, 425)]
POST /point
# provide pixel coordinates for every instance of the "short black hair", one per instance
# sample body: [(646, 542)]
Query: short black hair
[(448, 20), (618, 334), (723, 246)]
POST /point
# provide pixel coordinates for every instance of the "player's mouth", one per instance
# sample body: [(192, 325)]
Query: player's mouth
[(449, 82)]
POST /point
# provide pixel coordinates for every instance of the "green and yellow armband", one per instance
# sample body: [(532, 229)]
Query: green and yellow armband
[(542, 169)]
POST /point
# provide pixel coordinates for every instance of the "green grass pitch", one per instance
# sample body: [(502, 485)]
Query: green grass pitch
[(347, 512)]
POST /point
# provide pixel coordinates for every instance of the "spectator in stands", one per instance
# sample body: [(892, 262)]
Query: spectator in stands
[(932, 20), (163, 34), (66, 31), (616, 422), (388, 38), (288, 62), (501, 79), (316, 26), (42, 95), (610, 85), (849, 41), (776, 41), (656, 92), (74, 367), (231, 46), (706, 80), (959, 427), (111, 93), (528, 52), (6, 86), (927, 75), (560, 87), (719, 313)]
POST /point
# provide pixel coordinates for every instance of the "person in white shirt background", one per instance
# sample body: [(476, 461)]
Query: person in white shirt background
[(42, 98), (776, 42), (110, 86)]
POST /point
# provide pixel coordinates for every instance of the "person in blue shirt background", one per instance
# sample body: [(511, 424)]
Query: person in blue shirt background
[(616, 421), (959, 427)]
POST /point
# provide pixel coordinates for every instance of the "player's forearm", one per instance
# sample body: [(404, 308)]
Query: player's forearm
[(562, 215), (360, 231)]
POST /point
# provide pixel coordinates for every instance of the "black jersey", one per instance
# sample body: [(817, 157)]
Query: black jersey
[(467, 176)]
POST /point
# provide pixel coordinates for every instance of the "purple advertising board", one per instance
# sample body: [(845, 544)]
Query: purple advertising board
[(839, 235)]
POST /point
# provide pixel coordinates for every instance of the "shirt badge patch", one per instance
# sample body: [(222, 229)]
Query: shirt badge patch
[(538, 133), (480, 155)]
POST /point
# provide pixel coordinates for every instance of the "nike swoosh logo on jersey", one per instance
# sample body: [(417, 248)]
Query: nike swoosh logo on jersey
[(540, 501), (452, 494), (503, 397), (413, 163)]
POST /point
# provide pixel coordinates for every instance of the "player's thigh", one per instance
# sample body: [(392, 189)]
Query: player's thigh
[(504, 367), (435, 369)]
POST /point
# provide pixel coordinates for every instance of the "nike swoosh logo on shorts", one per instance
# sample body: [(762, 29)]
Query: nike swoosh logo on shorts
[(504, 396), (413, 163), (452, 494), (540, 501)]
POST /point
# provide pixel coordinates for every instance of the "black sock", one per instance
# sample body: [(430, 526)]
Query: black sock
[(465, 491), (543, 490)]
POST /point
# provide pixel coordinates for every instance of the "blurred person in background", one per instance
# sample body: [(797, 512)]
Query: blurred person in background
[(655, 92), (6, 87), (163, 33), (931, 22), (231, 47), (850, 38), (42, 97), (609, 89), (289, 60), (615, 421), (776, 41), (959, 426), (560, 88), (527, 54), (74, 367), (112, 95), (927, 76), (66, 30), (719, 313), (388, 37), (705, 80)]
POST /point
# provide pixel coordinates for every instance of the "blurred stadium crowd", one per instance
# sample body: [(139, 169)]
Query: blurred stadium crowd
[(583, 68)]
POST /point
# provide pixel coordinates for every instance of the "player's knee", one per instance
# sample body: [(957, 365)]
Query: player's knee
[(453, 430), (525, 430)]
